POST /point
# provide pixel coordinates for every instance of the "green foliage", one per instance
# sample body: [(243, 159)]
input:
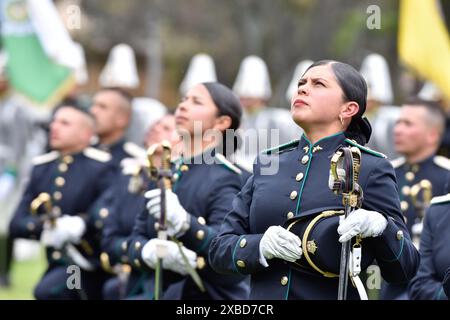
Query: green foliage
[(347, 33)]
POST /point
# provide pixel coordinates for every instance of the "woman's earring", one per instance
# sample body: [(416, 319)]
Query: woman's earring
[(342, 120)]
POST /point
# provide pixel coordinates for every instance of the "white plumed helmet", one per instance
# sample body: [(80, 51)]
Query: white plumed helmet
[(120, 69), (429, 91), (375, 71), (253, 79), (80, 71), (201, 69)]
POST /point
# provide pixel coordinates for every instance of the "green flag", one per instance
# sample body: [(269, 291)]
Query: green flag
[(32, 72)]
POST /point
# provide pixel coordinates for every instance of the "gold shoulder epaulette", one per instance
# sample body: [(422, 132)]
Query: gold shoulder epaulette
[(97, 154), (365, 149), (442, 162), (134, 150), (45, 158), (227, 163), (398, 162), (441, 199), (277, 149)]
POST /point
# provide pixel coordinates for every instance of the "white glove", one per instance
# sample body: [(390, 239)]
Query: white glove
[(171, 259), (361, 221), (53, 237), (73, 225), (176, 217), (66, 229), (278, 242)]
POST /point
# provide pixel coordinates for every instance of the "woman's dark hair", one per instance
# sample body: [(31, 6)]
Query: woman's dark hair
[(355, 89), (229, 105)]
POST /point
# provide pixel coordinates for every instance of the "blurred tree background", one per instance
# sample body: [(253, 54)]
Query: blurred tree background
[(165, 34)]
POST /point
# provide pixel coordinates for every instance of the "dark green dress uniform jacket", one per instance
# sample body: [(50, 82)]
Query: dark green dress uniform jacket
[(299, 187)]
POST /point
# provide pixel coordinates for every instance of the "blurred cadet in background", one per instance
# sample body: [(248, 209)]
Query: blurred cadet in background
[(54, 208), (111, 108), (420, 173)]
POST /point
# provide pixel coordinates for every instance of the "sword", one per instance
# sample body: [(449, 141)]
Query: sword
[(349, 159), (71, 252), (163, 177)]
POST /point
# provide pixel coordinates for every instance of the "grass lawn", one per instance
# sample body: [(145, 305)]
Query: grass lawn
[(24, 277)]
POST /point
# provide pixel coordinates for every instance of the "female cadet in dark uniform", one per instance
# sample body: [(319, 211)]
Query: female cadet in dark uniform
[(329, 105), (121, 205), (205, 186), (431, 280)]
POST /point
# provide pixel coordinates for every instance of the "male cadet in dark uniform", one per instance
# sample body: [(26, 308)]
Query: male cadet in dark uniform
[(417, 135), (72, 176), (111, 109)]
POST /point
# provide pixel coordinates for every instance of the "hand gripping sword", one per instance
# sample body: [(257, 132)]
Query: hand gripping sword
[(163, 177), (349, 159), (71, 252)]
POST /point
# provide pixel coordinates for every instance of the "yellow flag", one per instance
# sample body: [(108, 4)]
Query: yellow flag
[(424, 43)]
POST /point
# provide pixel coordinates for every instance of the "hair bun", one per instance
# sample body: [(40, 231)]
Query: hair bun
[(366, 128), (359, 130)]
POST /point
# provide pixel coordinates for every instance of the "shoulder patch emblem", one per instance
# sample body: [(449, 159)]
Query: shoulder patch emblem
[(441, 199), (398, 162), (284, 147), (227, 163), (365, 149), (442, 162), (97, 154), (45, 158)]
